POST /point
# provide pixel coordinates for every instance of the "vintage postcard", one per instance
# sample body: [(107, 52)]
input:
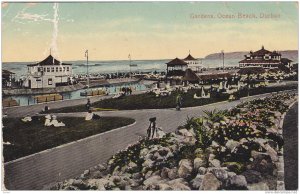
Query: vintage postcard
[(149, 95)]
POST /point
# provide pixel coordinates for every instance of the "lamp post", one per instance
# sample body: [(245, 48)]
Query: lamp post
[(222, 52), (87, 67)]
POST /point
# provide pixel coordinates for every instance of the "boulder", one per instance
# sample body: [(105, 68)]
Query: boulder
[(77, 183), (179, 184), (199, 162), (197, 181), (231, 174), (237, 182), (148, 174), (185, 168), (220, 174), (172, 174), (148, 163), (164, 173), (231, 144), (96, 174), (215, 163), (210, 182), (185, 132), (271, 152), (153, 180), (100, 184), (261, 186), (132, 165), (164, 187), (262, 163), (101, 167), (252, 176), (144, 152), (201, 170)]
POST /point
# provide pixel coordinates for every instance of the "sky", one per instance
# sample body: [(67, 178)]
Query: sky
[(145, 30)]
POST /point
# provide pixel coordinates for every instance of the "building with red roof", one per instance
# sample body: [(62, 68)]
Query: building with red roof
[(264, 58)]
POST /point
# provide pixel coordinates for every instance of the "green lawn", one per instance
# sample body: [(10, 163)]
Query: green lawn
[(149, 101), (33, 137)]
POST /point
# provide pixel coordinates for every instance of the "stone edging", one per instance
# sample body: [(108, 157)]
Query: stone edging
[(280, 163)]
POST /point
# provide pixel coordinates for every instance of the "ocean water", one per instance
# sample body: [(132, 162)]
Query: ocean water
[(79, 67)]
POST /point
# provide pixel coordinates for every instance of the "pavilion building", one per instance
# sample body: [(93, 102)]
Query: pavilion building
[(48, 73), (193, 63), (176, 67), (265, 59)]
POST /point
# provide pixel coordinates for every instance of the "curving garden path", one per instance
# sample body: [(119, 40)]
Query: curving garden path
[(70, 160)]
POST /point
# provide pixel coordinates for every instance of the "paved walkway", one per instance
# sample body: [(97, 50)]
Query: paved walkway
[(21, 111), (70, 160), (290, 148)]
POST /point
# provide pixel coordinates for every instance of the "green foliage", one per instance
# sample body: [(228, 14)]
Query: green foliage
[(236, 167), (202, 135), (214, 115)]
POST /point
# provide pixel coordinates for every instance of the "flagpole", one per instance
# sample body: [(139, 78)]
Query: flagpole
[(87, 67), (129, 64)]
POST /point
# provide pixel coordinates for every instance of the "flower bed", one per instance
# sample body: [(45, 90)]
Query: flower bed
[(233, 149)]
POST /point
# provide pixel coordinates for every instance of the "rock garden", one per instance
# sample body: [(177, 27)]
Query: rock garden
[(236, 149)]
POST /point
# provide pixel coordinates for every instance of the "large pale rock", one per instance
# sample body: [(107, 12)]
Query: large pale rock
[(144, 152), (185, 168), (185, 132), (99, 184), (261, 186), (164, 187), (199, 162), (231, 144), (148, 174), (220, 174), (215, 163), (237, 182), (148, 163), (179, 184), (153, 180), (210, 182), (197, 181), (201, 170), (132, 165)]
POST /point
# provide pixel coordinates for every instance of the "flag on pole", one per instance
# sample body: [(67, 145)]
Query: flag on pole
[(129, 56), (86, 53)]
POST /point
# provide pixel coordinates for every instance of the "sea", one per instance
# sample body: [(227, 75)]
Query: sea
[(113, 66)]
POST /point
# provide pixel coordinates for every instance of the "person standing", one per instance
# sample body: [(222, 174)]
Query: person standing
[(152, 128), (178, 102), (88, 104)]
